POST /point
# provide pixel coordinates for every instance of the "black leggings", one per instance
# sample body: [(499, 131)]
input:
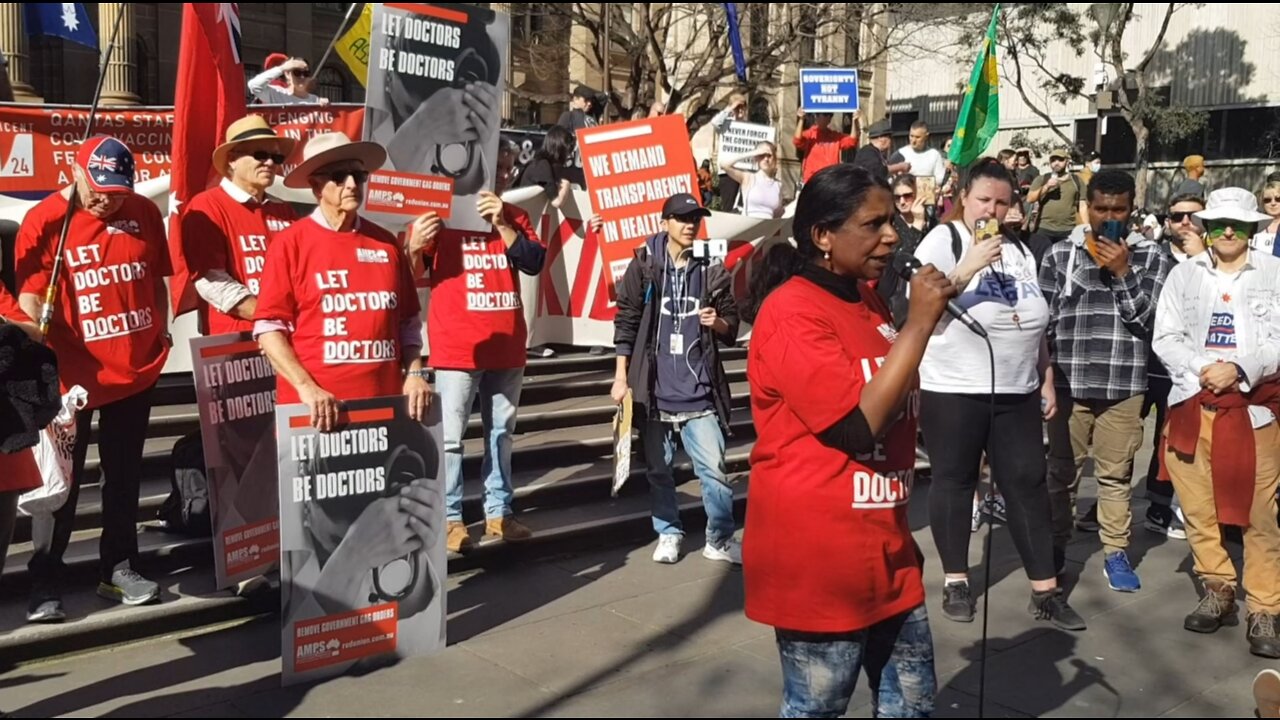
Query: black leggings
[(122, 430), (1158, 389), (957, 430)]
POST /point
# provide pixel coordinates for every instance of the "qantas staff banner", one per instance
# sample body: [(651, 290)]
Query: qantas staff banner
[(38, 144), (632, 168), (236, 393)]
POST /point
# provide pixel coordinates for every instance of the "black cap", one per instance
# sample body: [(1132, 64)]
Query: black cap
[(585, 92), (683, 204), (880, 129)]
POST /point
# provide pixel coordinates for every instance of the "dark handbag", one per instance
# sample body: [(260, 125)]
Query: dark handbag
[(32, 396)]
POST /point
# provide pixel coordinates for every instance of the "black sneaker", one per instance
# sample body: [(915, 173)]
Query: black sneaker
[(1263, 641), (45, 608), (957, 602), (129, 587), (1052, 606), (1088, 522), (1159, 518)]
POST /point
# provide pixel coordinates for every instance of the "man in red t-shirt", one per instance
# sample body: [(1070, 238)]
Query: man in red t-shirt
[(338, 311), (226, 229), (110, 333), (477, 335), (820, 144), (338, 318)]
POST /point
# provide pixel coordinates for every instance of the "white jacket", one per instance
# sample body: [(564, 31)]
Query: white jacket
[(1185, 312)]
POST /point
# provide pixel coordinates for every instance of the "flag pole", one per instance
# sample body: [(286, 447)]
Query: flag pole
[(329, 50), (51, 295)]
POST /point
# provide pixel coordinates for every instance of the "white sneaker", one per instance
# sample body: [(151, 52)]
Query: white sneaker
[(730, 552), (668, 550)]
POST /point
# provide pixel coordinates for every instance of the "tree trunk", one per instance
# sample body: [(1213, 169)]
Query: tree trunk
[(1142, 135)]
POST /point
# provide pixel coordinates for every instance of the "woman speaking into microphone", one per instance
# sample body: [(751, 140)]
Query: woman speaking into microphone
[(828, 556), (961, 419)]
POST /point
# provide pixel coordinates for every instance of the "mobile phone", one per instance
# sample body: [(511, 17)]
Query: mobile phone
[(1113, 230), (984, 229), (928, 189)]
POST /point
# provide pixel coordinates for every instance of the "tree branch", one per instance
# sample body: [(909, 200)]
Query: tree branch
[(1159, 41)]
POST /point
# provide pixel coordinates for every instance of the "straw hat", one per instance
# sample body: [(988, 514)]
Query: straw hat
[(329, 148), (250, 128)]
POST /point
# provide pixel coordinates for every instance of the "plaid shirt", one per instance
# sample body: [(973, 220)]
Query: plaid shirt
[(1100, 327)]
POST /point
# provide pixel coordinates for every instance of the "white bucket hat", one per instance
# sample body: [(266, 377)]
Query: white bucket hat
[(1233, 204)]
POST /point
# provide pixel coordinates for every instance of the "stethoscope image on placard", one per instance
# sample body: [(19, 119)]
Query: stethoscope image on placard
[(471, 68), (403, 467)]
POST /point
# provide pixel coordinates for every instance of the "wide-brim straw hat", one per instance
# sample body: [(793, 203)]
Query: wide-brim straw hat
[(334, 147), (250, 128)]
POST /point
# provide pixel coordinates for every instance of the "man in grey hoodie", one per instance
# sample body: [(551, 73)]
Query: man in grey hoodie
[(672, 308)]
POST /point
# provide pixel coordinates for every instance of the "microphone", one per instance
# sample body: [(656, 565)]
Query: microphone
[(904, 266)]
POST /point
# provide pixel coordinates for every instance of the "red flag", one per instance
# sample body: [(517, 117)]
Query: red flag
[(209, 97)]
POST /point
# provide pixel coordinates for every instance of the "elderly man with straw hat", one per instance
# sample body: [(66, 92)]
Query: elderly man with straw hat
[(226, 229), (338, 311), (1216, 331)]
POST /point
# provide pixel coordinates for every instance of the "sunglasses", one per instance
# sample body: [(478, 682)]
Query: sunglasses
[(1218, 228), (765, 156), (1177, 217), (339, 177), (905, 196), (1271, 199), (301, 73), (263, 156)]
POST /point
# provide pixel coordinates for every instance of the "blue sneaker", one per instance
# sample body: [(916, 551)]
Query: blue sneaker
[(1120, 574)]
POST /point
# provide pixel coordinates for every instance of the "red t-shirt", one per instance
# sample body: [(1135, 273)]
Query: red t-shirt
[(347, 296), (475, 320), (220, 232), (108, 328), (827, 546), (18, 471), (822, 149)]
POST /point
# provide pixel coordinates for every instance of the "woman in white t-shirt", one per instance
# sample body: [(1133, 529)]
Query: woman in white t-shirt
[(999, 277), (1269, 202), (761, 193)]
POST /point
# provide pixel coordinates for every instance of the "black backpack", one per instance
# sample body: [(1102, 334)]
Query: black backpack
[(186, 510)]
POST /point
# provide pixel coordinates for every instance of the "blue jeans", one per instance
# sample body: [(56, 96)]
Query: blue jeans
[(704, 443), (499, 392), (820, 671)]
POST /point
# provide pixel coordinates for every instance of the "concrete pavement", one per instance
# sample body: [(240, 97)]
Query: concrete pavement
[(610, 633)]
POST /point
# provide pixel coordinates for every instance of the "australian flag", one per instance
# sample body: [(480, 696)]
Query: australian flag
[(69, 21)]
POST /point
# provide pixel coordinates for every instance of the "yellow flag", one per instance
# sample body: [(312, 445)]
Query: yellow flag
[(353, 46)]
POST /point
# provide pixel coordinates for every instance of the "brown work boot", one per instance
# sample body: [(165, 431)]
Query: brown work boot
[(459, 540), (1218, 608), (505, 528), (1264, 640)]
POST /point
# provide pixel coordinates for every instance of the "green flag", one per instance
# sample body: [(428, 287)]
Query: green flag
[(980, 114)]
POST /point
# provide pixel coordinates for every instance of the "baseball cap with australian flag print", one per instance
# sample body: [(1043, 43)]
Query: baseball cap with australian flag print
[(107, 164)]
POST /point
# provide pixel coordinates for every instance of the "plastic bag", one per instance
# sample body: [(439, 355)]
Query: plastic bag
[(53, 457)]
